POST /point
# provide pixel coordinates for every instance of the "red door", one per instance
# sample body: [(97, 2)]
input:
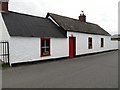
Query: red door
[(72, 46)]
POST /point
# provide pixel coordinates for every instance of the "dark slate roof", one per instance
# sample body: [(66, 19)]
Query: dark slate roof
[(75, 25), (30, 26)]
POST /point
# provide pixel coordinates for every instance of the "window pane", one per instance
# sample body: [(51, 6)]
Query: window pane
[(43, 50), (47, 42), (42, 43), (102, 42), (45, 47), (90, 43)]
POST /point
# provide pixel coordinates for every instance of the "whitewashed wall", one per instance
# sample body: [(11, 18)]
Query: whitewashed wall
[(24, 49), (4, 35), (82, 43), (0, 27), (0, 35)]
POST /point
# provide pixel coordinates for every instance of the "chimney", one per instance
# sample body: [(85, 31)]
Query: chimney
[(4, 6), (82, 17)]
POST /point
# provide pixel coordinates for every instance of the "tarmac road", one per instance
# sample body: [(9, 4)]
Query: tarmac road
[(92, 71)]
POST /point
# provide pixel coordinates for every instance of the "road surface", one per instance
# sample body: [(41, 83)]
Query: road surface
[(92, 71)]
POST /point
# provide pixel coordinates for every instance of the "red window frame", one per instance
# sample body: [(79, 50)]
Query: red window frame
[(42, 55), (102, 42), (89, 43)]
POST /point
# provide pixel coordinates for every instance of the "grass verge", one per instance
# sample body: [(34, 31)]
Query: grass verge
[(4, 65)]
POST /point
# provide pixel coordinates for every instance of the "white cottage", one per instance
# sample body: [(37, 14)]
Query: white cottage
[(26, 38)]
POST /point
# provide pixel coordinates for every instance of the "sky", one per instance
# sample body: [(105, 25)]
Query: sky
[(101, 12)]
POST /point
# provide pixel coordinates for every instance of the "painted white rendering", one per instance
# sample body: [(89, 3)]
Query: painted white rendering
[(26, 49), (82, 43), (4, 35), (0, 34), (0, 27)]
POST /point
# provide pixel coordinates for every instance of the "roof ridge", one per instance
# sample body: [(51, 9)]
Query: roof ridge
[(25, 14), (64, 16), (73, 19)]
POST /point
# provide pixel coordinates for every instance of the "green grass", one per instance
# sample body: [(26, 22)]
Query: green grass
[(0, 65), (4, 65)]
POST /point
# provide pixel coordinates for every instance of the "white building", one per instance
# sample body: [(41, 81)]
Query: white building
[(26, 38)]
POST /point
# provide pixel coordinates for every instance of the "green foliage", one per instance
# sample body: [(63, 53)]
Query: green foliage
[(4, 65)]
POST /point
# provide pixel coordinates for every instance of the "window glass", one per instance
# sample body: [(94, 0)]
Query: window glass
[(45, 47), (89, 43), (102, 42)]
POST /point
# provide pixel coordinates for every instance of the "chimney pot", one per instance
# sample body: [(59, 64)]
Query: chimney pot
[(82, 17)]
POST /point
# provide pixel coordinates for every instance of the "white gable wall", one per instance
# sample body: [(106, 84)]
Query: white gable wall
[(0, 35), (0, 27), (4, 35), (82, 43)]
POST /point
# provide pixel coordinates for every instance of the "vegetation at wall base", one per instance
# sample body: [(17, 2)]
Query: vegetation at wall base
[(4, 65)]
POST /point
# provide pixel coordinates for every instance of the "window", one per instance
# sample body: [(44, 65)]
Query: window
[(102, 42), (89, 43), (45, 46)]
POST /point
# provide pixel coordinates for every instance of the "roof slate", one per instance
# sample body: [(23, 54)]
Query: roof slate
[(30, 26), (70, 24)]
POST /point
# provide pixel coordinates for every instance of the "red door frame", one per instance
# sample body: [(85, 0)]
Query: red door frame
[(72, 47)]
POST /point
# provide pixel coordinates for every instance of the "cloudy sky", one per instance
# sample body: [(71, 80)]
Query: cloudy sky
[(102, 12)]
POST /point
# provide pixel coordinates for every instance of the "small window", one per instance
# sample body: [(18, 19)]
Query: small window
[(45, 46), (89, 43), (102, 42)]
